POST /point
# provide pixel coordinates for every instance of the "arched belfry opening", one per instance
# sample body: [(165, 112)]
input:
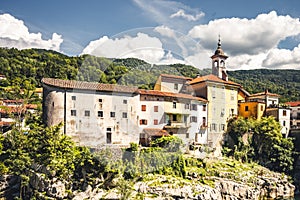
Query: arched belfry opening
[(219, 62)]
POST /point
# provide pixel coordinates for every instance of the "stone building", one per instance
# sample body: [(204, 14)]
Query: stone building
[(97, 114), (93, 114)]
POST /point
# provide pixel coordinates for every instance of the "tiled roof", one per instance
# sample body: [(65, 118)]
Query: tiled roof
[(212, 78), (170, 94), (265, 93), (155, 132), (12, 109), (2, 123), (293, 103), (175, 76), (82, 85)]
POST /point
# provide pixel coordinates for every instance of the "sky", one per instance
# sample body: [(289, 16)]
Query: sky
[(254, 34)]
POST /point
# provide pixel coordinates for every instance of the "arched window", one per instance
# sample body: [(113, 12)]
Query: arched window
[(222, 63), (216, 63)]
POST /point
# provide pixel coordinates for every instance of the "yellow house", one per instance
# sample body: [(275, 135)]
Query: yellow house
[(252, 109)]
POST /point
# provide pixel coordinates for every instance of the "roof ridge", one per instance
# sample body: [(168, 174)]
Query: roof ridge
[(74, 84)]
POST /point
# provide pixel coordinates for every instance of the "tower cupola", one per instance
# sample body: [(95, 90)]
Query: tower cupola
[(218, 62)]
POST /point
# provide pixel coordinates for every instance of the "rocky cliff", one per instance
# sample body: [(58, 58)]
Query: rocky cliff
[(157, 187)]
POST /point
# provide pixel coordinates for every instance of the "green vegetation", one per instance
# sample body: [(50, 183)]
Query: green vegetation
[(260, 141), (283, 82), (34, 64)]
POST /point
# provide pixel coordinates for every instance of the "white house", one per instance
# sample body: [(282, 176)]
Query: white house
[(93, 114)]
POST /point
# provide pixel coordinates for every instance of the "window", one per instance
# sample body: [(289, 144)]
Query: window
[(174, 104), (155, 122), (108, 135), (193, 119), (284, 124), (155, 108), (232, 111), (213, 127), (261, 108), (175, 86), (143, 122), (143, 107), (185, 118), (100, 100), (187, 106), (246, 108), (112, 114), (284, 113), (87, 113), (124, 101), (100, 113), (124, 114), (187, 135), (204, 121), (194, 107), (204, 108), (222, 127), (73, 112), (73, 98), (232, 97), (174, 118)]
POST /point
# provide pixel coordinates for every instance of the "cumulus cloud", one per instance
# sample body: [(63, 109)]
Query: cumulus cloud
[(181, 13), (250, 36), (251, 43), (283, 58), (14, 33), (141, 46)]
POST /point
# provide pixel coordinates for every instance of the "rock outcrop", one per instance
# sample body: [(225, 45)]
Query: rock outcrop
[(159, 187)]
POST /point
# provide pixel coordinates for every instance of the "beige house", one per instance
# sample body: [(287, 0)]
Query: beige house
[(222, 97)]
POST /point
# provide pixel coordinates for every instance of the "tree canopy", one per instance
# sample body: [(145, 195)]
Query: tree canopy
[(260, 141), (34, 64)]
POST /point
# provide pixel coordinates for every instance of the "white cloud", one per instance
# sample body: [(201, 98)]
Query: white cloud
[(14, 33), (165, 31), (169, 13), (181, 13), (141, 46), (251, 43), (283, 58)]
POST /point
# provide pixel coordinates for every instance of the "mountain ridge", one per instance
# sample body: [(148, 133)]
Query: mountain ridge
[(35, 64)]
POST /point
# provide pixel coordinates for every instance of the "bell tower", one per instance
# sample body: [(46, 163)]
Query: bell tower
[(218, 62)]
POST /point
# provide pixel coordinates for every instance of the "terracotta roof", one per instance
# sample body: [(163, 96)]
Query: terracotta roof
[(175, 76), (12, 101), (212, 78), (265, 93), (293, 103), (155, 132), (31, 106), (12, 109), (82, 85), (170, 94), (6, 123)]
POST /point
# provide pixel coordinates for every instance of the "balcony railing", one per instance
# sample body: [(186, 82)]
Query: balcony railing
[(176, 124)]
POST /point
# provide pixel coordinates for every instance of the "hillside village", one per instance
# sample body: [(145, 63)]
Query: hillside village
[(196, 110), (112, 116)]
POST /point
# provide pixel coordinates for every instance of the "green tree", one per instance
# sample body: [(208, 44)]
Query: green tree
[(261, 141)]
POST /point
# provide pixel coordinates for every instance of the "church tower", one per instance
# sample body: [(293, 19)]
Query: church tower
[(218, 63)]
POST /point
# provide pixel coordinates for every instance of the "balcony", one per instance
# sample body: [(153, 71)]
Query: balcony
[(176, 124)]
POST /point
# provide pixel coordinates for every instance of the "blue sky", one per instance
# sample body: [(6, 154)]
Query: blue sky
[(255, 34)]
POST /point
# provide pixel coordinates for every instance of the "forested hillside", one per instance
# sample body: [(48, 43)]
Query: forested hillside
[(283, 82), (34, 64)]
